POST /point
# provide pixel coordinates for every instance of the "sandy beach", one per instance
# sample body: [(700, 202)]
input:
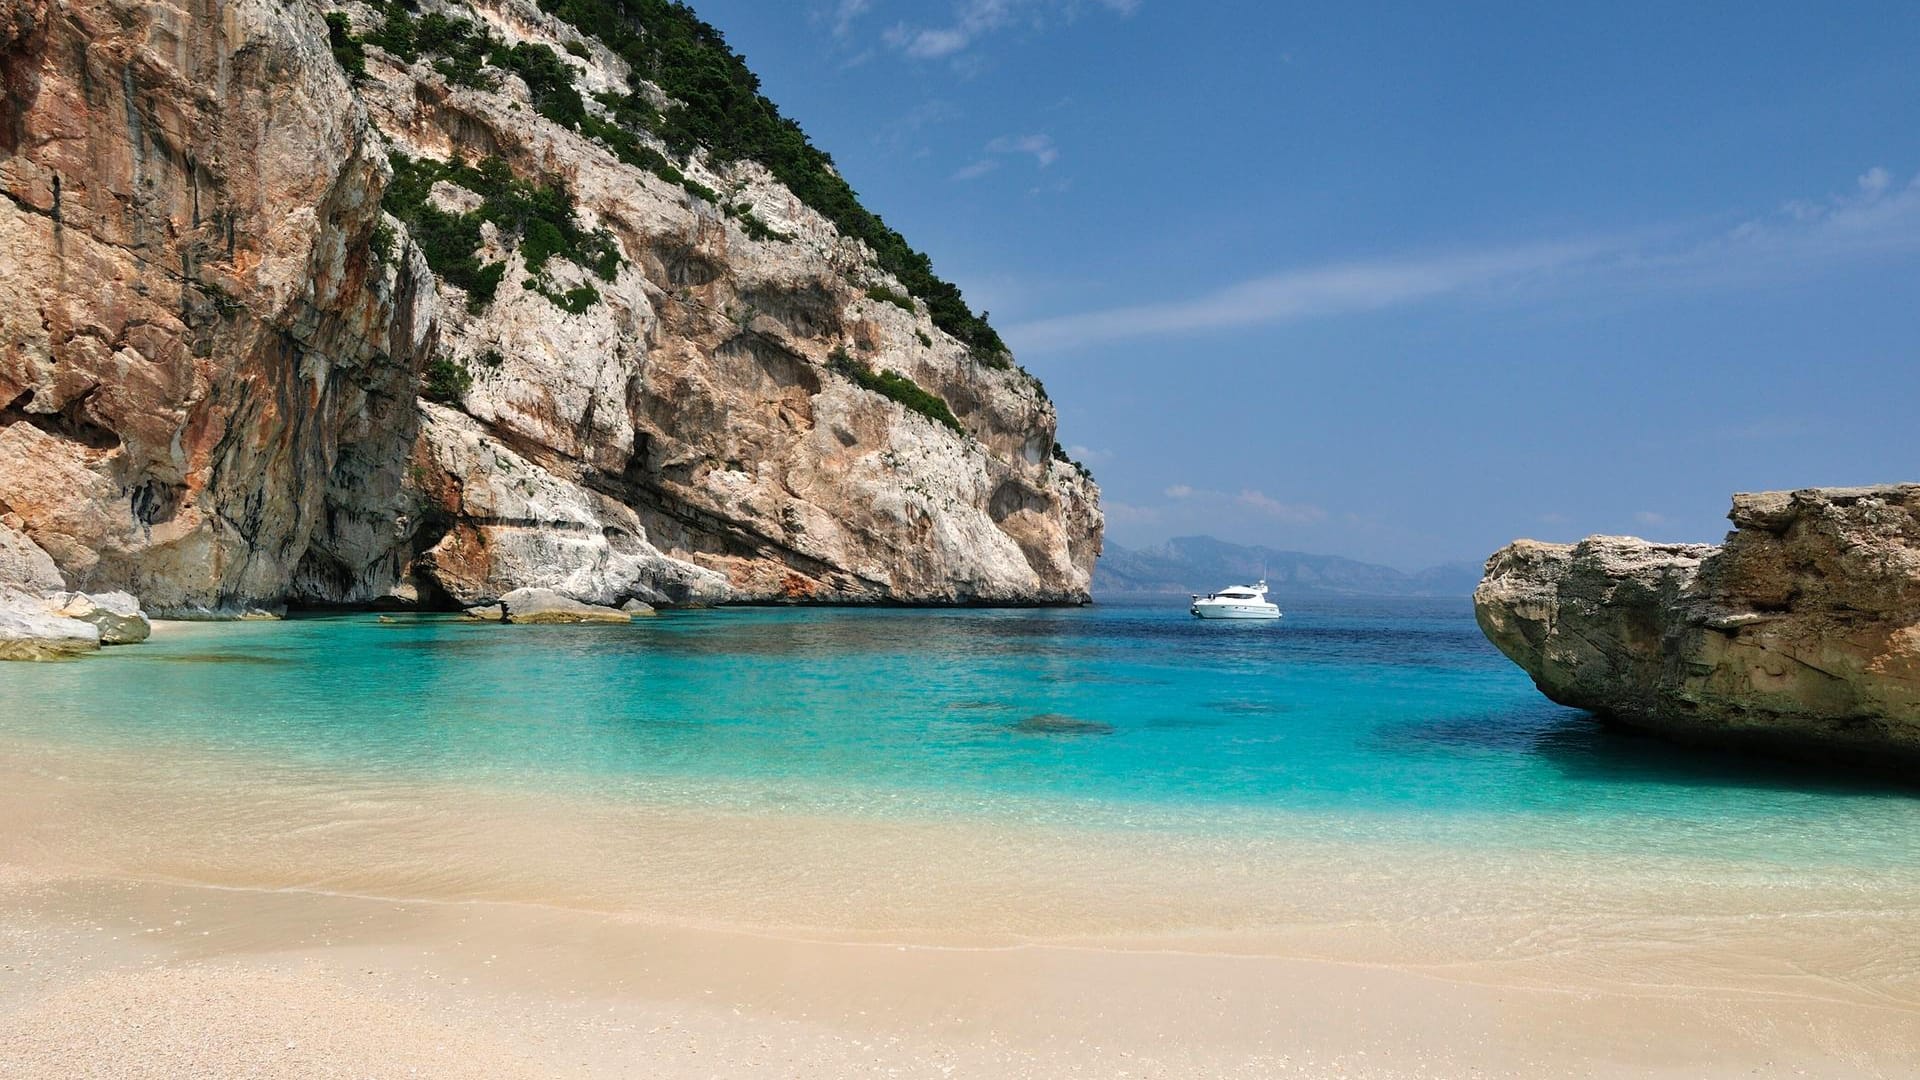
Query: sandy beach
[(286, 925), (518, 560)]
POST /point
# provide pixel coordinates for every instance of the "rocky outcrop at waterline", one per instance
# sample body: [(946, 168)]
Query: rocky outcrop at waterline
[(1800, 634), (241, 244), (40, 620)]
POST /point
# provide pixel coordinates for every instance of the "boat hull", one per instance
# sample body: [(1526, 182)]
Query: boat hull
[(1235, 611)]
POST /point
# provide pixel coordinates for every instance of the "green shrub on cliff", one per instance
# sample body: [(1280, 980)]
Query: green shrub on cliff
[(540, 215), (549, 79), (897, 387), (381, 242), (1060, 454), (718, 105), (409, 37), (573, 301), (347, 50), (445, 380), (888, 296), (755, 228)]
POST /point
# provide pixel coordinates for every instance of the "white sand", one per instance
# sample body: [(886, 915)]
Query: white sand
[(163, 921)]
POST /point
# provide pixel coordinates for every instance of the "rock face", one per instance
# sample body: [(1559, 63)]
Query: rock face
[(504, 523), (1800, 634), (24, 566), (215, 338), (197, 336)]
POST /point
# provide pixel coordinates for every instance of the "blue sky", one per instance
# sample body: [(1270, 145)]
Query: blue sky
[(1402, 282)]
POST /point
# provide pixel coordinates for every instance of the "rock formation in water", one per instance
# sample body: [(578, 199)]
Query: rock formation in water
[(241, 243), (1800, 634)]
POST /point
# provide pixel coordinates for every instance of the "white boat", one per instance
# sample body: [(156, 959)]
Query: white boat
[(1237, 602)]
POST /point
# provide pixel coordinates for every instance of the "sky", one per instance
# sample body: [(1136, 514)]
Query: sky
[(1403, 282)]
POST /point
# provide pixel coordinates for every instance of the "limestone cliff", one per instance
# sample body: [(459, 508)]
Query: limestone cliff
[(660, 372), (1800, 634), (196, 340)]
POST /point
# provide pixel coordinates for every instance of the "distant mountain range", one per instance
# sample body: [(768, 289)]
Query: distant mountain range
[(1200, 564)]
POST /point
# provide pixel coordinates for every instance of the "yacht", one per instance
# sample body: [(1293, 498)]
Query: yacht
[(1237, 602)]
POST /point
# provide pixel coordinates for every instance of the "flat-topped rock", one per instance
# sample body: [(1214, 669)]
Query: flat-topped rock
[(547, 606), (28, 631), (117, 615), (1800, 634)]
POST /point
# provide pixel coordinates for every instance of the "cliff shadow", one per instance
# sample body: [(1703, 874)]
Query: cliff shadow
[(1583, 747), (1586, 747)]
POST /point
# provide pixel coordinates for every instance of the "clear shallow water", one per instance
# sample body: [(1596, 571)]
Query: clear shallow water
[(1373, 721)]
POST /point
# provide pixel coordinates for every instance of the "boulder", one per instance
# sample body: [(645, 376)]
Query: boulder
[(487, 613), (28, 631), (1799, 635), (117, 615), (639, 609), (547, 606), (24, 565)]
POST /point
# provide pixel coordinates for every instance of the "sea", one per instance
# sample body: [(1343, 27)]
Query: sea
[(1363, 778)]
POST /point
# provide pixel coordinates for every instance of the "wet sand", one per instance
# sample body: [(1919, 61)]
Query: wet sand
[(171, 917)]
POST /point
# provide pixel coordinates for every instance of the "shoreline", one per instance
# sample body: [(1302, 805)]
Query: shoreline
[(301, 984), (284, 611), (287, 905), (289, 984)]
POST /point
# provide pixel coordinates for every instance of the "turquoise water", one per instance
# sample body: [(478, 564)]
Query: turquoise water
[(1353, 719)]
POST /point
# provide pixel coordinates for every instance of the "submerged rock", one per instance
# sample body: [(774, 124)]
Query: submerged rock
[(116, 614), (1799, 635), (1057, 724), (547, 606)]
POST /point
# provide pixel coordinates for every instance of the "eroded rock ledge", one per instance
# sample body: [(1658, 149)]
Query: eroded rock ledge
[(1800, 634)]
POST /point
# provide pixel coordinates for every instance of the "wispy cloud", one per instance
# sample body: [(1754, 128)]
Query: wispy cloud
[(973, 20), (1338, 289), (1877, 216), (1648, 517), (907, 134), (1249, 499), (976, 170), (1125, 513), (841, 16), (1040, 146), (1291, 513)]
